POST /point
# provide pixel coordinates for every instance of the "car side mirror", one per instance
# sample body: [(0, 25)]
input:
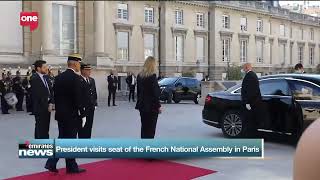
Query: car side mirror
[(178, 84)]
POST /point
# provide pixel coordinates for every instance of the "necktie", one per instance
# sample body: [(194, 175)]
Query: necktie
[(46, 84), (88, 81)]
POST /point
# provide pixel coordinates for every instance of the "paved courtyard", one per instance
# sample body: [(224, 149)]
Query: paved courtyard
[(178, 120)]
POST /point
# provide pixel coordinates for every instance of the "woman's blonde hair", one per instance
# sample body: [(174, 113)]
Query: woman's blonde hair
[(149, 67)]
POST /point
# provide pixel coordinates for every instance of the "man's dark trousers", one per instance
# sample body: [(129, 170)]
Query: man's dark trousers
[(112, 92), (42, 125), (66, 131), (131, 92), (85, 132)]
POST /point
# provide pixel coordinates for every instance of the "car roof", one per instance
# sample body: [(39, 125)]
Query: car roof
[(313, 76), (310, 77), (181, 77)]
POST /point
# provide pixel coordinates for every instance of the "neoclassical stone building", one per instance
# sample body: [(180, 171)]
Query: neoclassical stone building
[(198, 37)]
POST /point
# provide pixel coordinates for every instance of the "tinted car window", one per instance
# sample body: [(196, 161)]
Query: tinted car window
[(274, 87), (191, 82), (167, 81), (183, 81), (234, 88), (303, 90)]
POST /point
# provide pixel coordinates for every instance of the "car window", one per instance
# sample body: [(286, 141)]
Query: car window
[(304, 90), (268, 87), (183, 81), (191, 82), (167, 81), (234, 88), (274, 87)]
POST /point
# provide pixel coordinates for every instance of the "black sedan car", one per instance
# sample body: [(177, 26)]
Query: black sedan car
[(179, 88), (291, 102)]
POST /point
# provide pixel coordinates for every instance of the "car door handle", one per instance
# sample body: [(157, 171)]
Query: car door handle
[(310, 109)]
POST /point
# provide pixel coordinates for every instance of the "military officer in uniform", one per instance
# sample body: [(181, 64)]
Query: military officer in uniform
[(89, 100), (3, 90), (69, 110), (18, 90)]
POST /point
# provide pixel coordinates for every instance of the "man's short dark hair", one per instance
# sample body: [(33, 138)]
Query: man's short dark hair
[(298, 66), (39, 63)]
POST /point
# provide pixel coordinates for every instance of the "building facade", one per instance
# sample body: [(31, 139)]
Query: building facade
[(187, 37)]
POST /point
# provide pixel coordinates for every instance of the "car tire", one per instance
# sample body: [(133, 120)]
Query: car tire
[(234, 125), (197, 99), (176, 99)]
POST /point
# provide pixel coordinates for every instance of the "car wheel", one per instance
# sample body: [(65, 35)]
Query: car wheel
[(176, 99), (197, 99), (233, 124)]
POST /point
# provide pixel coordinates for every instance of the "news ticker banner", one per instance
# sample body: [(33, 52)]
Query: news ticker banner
[(140, 148)]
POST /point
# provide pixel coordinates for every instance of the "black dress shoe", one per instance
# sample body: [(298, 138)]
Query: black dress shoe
[(115, 105), (20, 110), (51, 169), (76, 171), (5, 113)]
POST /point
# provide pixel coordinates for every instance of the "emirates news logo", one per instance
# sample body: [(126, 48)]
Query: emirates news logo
[(35, 150)]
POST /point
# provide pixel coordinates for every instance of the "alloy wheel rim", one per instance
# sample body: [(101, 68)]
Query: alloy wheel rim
[(232, 124)]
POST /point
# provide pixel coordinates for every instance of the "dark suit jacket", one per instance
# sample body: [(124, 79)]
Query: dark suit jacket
[(129, 82), (89, 93), (250, 91), (41, 95), (67, 95), (112, 83), (148, 93)]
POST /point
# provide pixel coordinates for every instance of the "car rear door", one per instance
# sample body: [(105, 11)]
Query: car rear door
[(277, 101), (192, 91), (307, 94), (181, 88)]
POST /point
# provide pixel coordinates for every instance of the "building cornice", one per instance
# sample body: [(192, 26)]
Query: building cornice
[(123, 26), (149, 29), (282, 40), (243, 35), (179, 30), (194, 3), (263, 9), (199, 32), (311, 44)]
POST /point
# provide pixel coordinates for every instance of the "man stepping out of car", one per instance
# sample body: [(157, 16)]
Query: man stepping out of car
[(251, 96)]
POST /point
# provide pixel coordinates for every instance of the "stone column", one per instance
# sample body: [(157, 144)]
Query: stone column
[(46, 27), (99, 28)]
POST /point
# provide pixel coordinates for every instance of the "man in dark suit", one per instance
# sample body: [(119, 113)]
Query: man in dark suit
[(112, 88), (89, 98), (131, 81), (69, 110), (18, 90), (42, 100), (251, 95)]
